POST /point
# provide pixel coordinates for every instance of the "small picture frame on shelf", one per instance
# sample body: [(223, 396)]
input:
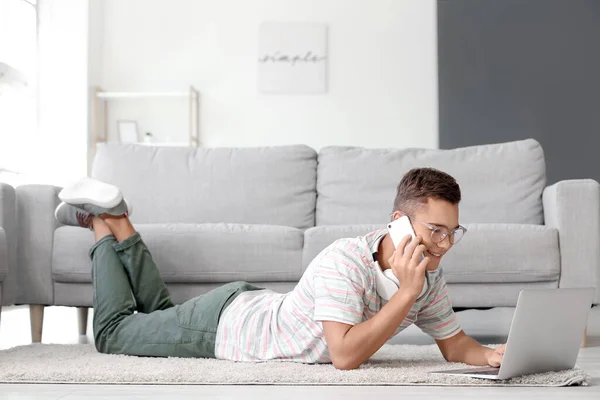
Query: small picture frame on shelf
[(128, 131)]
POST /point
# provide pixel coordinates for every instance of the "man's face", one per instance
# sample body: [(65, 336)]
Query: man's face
[(438, 214)]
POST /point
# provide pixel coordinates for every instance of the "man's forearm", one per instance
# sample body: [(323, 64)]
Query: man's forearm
[(469, 351), (364, 339)]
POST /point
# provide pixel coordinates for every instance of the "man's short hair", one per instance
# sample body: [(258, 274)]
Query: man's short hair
[(420, 184)]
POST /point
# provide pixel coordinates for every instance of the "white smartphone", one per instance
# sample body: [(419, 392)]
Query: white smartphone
[(399, 228)]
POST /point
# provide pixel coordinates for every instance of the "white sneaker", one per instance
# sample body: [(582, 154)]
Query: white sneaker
[(91, 191), (71, 215)]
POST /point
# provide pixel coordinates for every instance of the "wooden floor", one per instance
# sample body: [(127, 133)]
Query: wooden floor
[(489, 326)]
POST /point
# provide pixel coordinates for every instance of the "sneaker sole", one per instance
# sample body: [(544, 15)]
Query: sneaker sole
[(60, 207), (91, 191), (63, 204)]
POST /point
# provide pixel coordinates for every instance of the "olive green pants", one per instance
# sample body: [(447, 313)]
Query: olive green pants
[(126, 280)]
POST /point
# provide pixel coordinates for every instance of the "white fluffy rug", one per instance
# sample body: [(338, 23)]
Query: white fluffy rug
[(392, 365)]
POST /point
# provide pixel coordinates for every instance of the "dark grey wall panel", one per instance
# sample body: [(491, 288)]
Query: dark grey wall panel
[(514, 69)]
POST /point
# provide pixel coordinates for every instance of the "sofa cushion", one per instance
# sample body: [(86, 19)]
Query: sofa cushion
[(499, 253), (499, 182), (195, 253), (489, 253), (266, 185), (318, 238), (492, 294), (82, 294), (3, 257)]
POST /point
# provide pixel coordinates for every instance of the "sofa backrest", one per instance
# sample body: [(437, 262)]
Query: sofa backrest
[(499, 182), (264, 185)]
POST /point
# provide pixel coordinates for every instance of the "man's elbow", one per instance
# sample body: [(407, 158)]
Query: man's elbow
[(449, 357), (344, 364), (452, 355)]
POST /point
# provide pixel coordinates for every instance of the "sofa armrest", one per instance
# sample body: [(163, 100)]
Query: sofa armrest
[(573, 207), (8, 223), (36, 222)]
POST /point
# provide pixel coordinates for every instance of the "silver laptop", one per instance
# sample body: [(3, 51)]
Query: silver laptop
[(545, 334)]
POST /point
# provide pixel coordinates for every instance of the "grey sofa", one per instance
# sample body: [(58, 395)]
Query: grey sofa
[(211, 216), (8, 245)]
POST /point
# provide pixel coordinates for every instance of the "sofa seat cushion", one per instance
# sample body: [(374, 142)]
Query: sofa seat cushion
[(318, 238), (475, 295), (82, 294), (489, 253), (3, 256), (504, 253), (195, 253)]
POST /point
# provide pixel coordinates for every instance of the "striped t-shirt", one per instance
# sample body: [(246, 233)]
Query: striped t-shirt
[(338, 285)]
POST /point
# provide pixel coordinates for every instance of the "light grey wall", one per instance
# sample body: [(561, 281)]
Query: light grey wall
[(514, 69), (381, 70)]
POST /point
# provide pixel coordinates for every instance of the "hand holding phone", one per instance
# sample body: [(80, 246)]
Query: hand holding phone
[(407, 263), (399, 229)]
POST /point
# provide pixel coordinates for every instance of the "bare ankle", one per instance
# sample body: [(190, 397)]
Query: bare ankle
[(111, 217), (100, 228), (96, 223), (120, 226)]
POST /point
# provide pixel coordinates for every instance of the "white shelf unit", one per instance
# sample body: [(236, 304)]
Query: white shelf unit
[(100, 111)]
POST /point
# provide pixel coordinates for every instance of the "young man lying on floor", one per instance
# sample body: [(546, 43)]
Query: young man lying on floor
[(334, 314)]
